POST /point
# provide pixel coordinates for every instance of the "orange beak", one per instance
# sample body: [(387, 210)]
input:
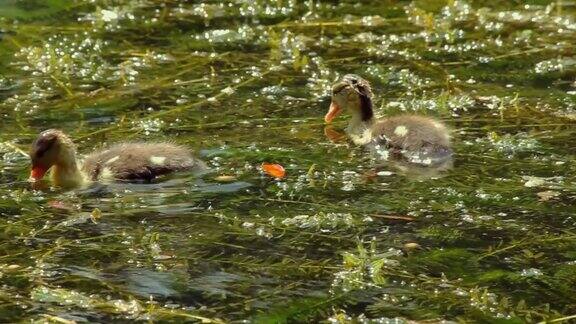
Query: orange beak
[(334, 111), (37, 172)]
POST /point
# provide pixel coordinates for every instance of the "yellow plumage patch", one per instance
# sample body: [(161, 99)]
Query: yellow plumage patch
[(158, 160), (401, 130)]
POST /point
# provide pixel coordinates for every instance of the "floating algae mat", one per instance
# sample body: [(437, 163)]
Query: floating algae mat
[(340, 236)]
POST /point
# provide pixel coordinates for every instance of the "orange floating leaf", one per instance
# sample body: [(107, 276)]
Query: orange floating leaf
[(274, 170)]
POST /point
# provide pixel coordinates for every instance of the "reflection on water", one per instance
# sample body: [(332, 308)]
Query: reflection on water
[(248, 82)]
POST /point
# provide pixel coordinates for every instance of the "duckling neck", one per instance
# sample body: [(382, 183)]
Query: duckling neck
[(67, 174), (360, 130)]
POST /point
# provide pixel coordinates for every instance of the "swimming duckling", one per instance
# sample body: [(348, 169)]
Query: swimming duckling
[(54, 151), (421, 139)]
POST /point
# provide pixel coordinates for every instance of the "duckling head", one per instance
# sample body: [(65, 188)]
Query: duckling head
[(352, 94), (52, 147)]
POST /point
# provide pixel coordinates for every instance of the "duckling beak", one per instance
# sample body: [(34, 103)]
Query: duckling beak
[(333, 111), (37, 173)]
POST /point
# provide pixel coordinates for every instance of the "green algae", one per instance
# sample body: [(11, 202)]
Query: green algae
[(247, 82)]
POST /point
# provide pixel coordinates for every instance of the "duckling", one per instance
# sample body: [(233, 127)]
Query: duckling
[(420, 139), (53, 150)]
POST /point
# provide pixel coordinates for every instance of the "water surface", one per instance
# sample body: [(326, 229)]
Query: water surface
[(344, 237)]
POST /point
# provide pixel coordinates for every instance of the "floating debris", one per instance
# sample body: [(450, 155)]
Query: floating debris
[(225, 178), (274, 170), (547, 195)]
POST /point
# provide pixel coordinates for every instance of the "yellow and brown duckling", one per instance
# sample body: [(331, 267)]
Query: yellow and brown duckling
[(54, 151), (421, 139)]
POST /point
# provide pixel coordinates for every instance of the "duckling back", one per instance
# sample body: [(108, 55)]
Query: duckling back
[(138, 161), (421, 139)]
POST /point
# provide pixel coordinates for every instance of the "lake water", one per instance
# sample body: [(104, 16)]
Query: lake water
[(344, 237)]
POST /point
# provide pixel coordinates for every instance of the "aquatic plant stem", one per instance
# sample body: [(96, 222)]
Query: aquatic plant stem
[(525, 242), (16, 148), (530, 51), (391, 217), (202, 102), (561, 319)]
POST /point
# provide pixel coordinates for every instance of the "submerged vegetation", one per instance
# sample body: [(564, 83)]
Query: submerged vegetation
[(336, 236)]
